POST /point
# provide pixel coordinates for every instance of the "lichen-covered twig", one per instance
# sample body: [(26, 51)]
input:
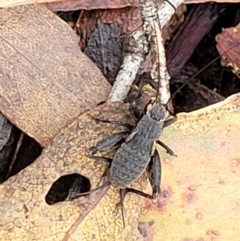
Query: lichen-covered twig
[(136, 52), (159, 71), (138, 47)]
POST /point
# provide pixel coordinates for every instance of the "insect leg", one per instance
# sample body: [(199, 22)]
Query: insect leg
[(108, 143), (140, 193), (168, 149), (77, 195), (100, 158), (169, 122), (123, 192), (120, 205), (154, 171), (129, 126)]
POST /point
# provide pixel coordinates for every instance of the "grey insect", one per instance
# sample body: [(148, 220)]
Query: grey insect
[(137, 152)]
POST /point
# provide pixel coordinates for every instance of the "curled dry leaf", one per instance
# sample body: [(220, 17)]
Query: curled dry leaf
[(227, 45), (71, 5), (46, 82), (200, 197), (189, 35)]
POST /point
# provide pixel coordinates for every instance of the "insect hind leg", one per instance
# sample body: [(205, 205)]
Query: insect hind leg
[(154, 171), (138, 192), (123, 192), (120, 205)]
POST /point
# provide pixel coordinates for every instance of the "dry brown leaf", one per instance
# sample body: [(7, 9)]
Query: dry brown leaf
[(12, 3), (25, 215), (208, 1), (199, 188), (128, 19), (89, 4), (46, 82), (70, 5), (200, 196), (228, 46), (199, 21)]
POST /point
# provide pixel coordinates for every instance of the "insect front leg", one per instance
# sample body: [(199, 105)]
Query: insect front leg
[(108, 143), (129, 126), (100, 158), (169, 122)]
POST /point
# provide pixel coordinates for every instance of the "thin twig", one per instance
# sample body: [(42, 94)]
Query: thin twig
[(14, 157), (159, 71), (136, 52), (138, 48)]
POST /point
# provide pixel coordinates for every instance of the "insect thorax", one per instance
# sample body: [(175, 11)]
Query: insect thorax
[(156, 111), (149, 128)]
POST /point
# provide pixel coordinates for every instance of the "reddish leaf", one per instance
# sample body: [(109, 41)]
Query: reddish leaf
[(227, 44), (46, 82)]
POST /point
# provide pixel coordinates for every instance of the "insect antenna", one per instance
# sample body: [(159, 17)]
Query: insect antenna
[(159, 63), (199, 72)]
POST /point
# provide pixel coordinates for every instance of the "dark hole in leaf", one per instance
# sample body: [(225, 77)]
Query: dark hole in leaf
[(9, 136), (67, 187), (17, 150), (29, 151)]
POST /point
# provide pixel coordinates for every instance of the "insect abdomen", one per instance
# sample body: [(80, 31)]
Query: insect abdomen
[(128, 165)]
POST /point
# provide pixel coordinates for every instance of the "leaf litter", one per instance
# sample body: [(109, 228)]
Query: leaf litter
[(200, 195), (25, 205)]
